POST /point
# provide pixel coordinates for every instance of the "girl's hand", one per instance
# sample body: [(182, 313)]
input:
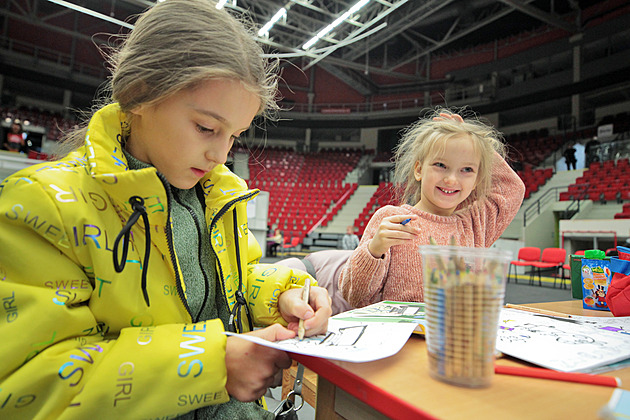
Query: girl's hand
[(447, 116), (251, 368), (391, 232), (315, 314)]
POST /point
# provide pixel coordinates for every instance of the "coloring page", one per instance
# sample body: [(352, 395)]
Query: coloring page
[(388, 311), (576, 344), (346, 341), (619, 324)]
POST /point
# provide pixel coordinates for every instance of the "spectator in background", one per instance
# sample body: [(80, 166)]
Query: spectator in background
[(350, 240), (14, 140), (591, 152), (274, 242), (569, 157)]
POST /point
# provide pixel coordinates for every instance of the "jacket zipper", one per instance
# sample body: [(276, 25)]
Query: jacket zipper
[(169, 240), (220, 214)]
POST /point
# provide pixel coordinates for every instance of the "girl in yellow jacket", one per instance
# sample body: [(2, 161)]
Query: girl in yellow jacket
[(122, 264)]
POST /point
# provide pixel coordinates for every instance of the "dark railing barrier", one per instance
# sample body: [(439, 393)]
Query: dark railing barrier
[(553, 193)]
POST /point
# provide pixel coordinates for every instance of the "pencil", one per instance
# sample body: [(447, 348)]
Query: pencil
[(451, 319), (469, 304), (306, 290), (440, 262), (478, 319), (583, 378), (537, 311)]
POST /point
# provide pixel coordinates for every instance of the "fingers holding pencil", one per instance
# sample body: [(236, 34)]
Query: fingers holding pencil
[(306, 310)]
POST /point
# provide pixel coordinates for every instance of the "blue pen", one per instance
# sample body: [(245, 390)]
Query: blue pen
[(404, 222)]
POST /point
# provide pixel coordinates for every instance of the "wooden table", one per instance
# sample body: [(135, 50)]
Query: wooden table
[(400, 387)]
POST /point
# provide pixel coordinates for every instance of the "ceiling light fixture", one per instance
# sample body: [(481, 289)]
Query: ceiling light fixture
[(264, 31), (336, 23), (221, 3)]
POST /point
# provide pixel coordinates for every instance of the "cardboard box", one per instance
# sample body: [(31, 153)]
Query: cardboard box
[(596, 277)]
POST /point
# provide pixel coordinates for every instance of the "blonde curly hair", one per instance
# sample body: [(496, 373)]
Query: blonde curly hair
[(426, 138)]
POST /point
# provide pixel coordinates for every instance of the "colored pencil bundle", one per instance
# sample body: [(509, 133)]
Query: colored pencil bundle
[(464, 290)]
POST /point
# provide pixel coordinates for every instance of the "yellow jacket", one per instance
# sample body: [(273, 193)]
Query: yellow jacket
[(78, 339)]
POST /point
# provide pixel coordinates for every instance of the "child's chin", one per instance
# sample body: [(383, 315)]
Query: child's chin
[(184, 184)]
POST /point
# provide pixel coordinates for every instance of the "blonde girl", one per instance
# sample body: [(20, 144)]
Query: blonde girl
[(454, 183)]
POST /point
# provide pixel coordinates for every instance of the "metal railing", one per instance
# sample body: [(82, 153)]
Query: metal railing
[(536, 207), (553, 193), (363, 107)]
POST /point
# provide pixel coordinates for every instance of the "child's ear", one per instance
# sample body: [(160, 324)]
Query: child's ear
[(138, 110), (141, 90), (417, 171)]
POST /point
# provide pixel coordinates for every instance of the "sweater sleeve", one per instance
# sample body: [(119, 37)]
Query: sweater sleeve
[(364, 276), (491, 216)]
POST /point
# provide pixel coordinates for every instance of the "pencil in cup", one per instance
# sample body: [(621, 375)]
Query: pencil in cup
[(462, 303), (435, 298)]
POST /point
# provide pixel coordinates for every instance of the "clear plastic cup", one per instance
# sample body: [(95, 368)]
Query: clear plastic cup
[(463, 295)]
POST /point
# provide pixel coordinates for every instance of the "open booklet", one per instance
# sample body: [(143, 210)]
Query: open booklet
[(389, 311), (359, 335), (576, 344)]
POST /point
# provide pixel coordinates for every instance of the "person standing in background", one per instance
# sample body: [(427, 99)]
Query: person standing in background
[(14, 141), (591, 152), (569, 157), (350, 240)]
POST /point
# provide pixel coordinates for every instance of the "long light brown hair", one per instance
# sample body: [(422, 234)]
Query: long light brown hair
[(175, 45)]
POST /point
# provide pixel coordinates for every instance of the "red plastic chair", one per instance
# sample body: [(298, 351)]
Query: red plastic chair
[(287, 246), (552, 259), (526, 257)]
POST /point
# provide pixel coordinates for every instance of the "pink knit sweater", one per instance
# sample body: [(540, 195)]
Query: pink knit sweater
[(398, 276)]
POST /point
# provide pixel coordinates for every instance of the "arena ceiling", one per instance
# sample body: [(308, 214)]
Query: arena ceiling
[(381, 37), (386, 35), (375, 49)]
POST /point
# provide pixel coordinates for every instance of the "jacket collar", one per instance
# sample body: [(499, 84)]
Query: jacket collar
[(103, 150)]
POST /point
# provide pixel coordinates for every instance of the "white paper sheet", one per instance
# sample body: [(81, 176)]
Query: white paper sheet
[(577, 344), (346, 341)]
